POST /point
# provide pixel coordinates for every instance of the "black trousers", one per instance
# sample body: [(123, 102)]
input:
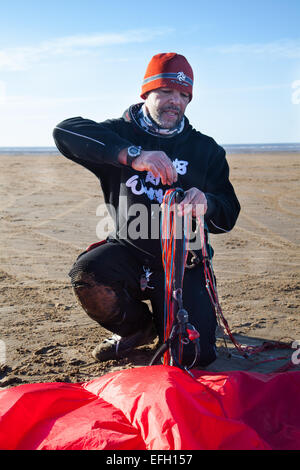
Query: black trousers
[(107, 282)]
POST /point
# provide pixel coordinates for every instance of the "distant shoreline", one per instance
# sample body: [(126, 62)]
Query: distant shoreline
[(291, 147)]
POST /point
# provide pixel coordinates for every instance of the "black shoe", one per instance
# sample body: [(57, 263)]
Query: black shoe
[(117, 346)]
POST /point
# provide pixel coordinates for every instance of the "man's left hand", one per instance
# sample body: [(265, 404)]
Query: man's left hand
[(194, 202)]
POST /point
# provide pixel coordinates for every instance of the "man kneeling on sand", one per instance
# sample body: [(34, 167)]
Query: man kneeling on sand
[(136, 158)]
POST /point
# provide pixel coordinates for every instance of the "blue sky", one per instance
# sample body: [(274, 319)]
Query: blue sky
[(66, 58)]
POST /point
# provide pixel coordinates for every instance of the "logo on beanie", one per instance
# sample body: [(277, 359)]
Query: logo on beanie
[(181, 76)]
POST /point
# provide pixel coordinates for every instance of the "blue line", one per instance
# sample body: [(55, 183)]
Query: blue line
[(167, 75)]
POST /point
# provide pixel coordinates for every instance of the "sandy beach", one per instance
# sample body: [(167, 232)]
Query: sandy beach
[(48, 217)]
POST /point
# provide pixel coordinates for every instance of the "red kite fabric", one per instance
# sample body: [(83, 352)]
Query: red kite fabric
[(155, 408)]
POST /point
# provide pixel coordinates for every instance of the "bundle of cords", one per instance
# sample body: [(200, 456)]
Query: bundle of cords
[(174, 246)]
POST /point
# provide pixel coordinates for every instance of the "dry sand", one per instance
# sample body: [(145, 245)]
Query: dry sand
[(48, 208)]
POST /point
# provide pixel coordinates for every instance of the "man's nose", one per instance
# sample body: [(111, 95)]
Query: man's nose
[(175, 97)]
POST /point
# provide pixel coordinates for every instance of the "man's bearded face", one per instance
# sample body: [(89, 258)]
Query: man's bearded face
[(166, 106)]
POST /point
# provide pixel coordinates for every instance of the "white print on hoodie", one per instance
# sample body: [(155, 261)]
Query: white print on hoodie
[(137, 186)]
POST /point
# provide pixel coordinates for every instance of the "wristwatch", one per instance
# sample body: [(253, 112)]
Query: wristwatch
[(132, 153)]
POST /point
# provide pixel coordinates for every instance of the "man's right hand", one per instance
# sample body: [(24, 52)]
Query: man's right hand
[(158, 163)]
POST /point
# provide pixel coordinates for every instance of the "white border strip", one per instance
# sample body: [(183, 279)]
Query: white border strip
[(80, 135), (220, 228)]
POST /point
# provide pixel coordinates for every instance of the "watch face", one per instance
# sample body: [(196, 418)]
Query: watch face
[(134, 151)]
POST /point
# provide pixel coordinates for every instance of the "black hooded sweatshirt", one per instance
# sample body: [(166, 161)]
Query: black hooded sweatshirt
[(200, 162)]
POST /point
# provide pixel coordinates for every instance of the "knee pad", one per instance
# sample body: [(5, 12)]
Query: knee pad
[(110, 306), (99, 301)]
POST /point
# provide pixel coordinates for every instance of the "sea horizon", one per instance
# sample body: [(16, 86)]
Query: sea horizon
[(229, 148)]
